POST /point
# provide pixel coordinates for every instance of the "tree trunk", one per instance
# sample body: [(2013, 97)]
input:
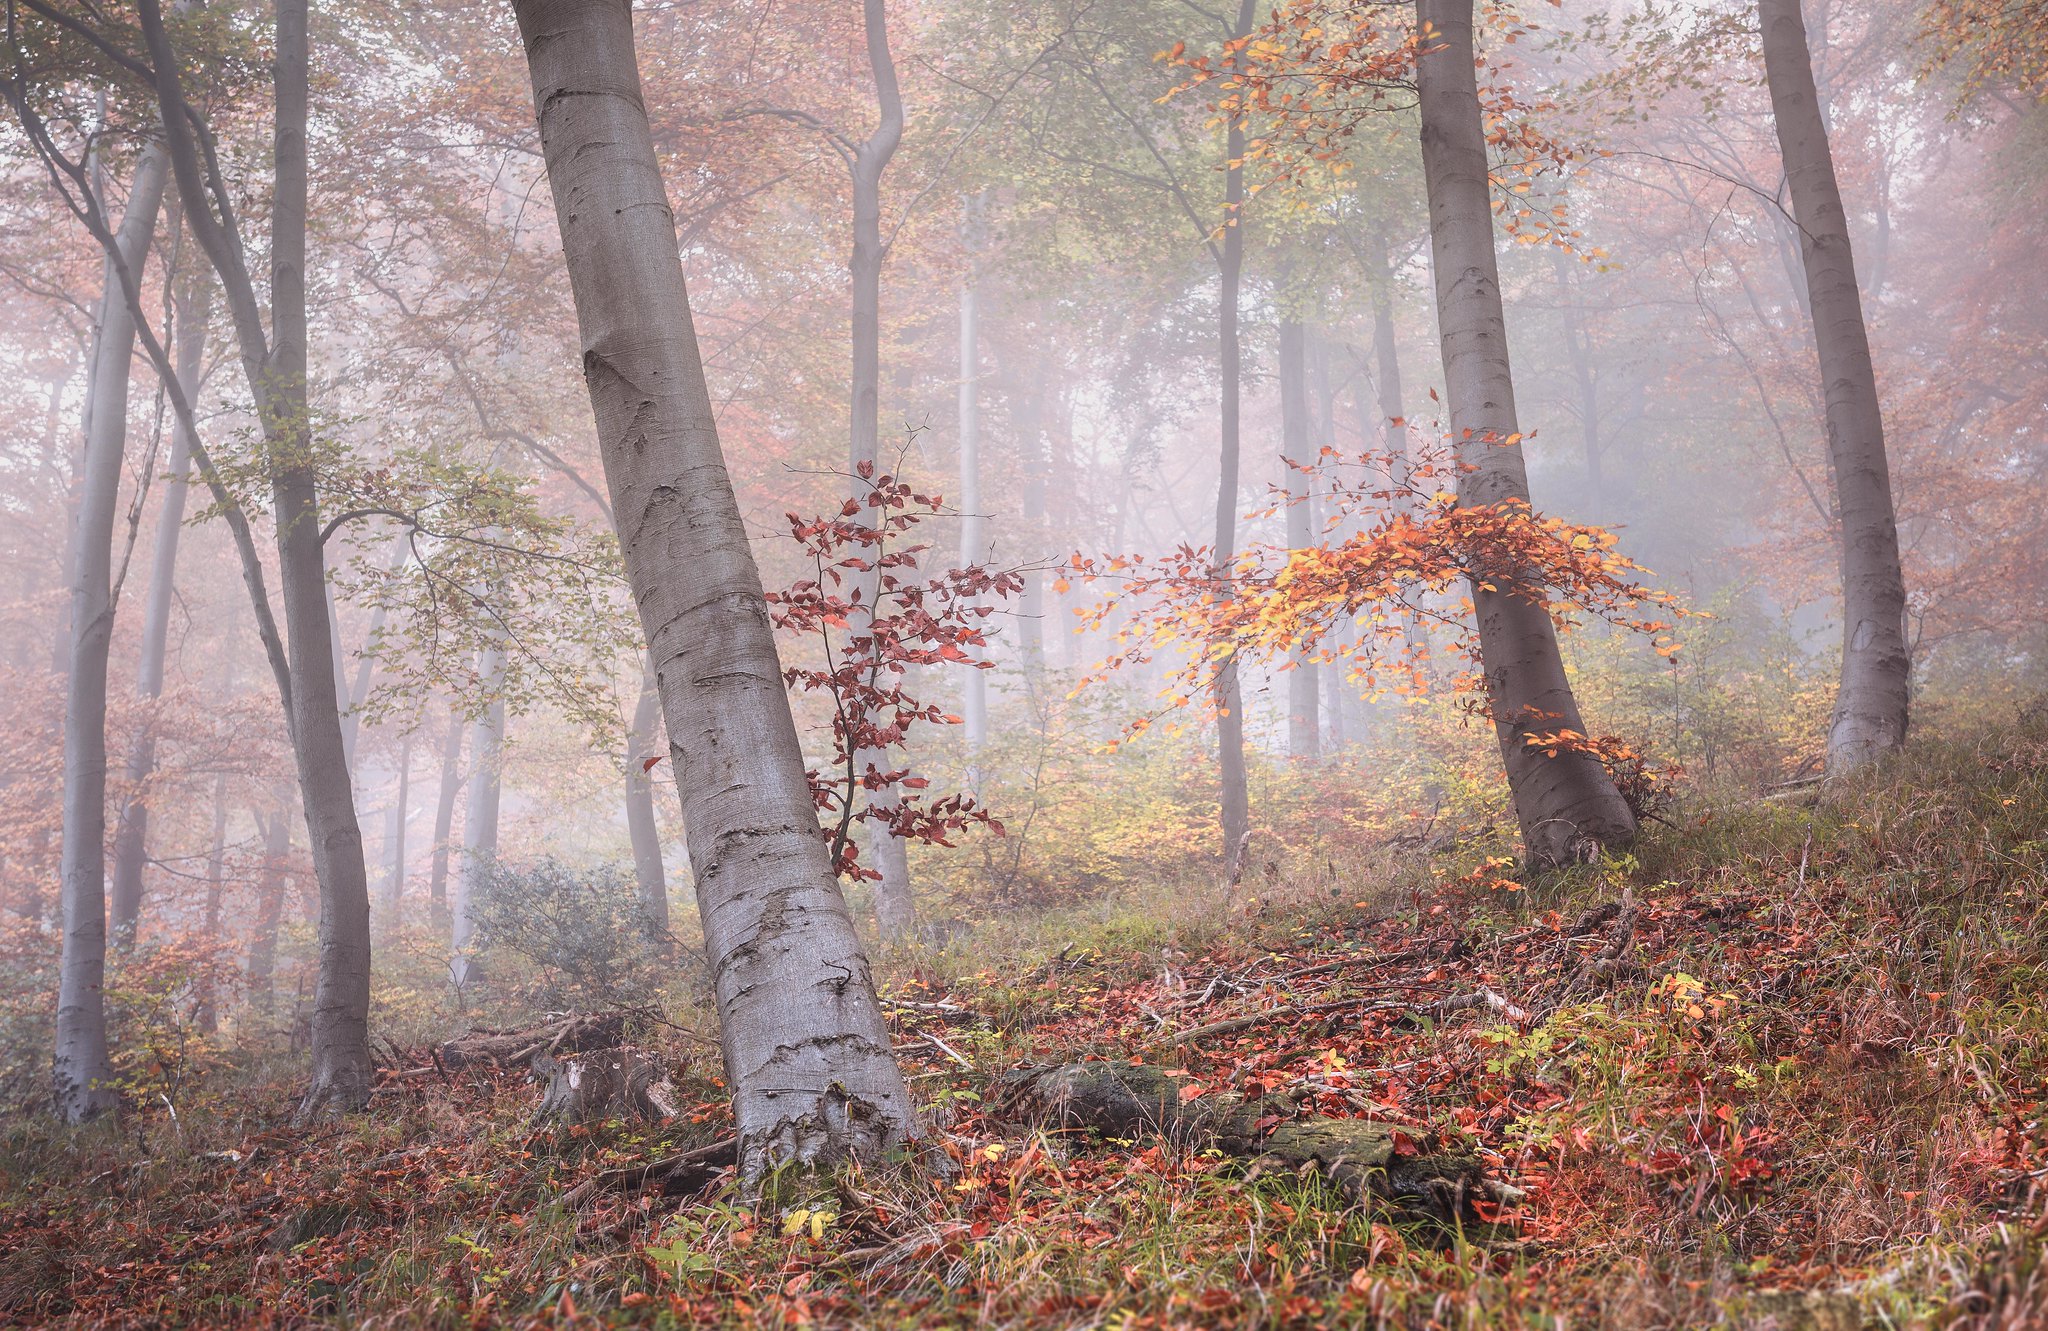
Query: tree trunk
[(81, 1066), (1028, 420), (1304, 724), (640, 825), (806, 1050), (973, 538), (1585, 373), (206, 1010), (1872, 705), (1567, 805), (438, 916), (394, 834), (277, 844), (1235, 796), (1333, 681), (480, 822), (131, 835), (893, 900)]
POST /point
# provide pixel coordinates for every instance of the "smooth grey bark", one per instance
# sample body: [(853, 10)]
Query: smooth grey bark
[(1304, 721), (81, 1067), (1567, 805), (806, 1050), (895, 906), (648, 872), (131, 833), (1235, 791), (973, 537), (275, 363), (480, 821), (1875, 697), (438, 916)]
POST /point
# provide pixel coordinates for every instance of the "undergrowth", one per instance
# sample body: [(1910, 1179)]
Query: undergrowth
[(1782, 1067)]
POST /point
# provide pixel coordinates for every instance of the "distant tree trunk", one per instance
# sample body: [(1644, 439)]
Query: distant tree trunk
[(895, 907), (480, 822), (1872, 705), (806, 1050), (974, 702), (438, 916), (1567, 805), (81, 1067), (270, 890), (276, 367), (1027, 420), (640, 825), (1386, 351), (1304, 724), (1585, 373), (131, 833), (1235, 793), (394, 834), (206, 1011), (1333, 681)]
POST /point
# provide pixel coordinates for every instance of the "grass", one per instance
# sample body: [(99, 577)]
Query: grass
[(1805, 1093)]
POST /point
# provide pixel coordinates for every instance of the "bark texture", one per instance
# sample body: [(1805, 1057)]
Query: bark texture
[(131, 834), (806, 1050), (81, 1066), (1567, 805), (1872, 704)]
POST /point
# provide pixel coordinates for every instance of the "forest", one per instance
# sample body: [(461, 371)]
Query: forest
[(1126, 664)]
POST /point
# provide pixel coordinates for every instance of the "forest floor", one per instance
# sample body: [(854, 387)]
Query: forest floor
[(1785, 1067)]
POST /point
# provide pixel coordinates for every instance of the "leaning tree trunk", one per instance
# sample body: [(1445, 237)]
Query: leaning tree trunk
[(648, 872), (131, 834), (1304, 724), (1872, 704), (81, 1067), (806, 1050), (480, 823), (1567, 805)]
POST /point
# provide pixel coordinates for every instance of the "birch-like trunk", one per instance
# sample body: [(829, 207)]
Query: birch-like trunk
[(1873, 702), (648, 872), (806, 1050), (895, 907), (480, 822), (1235, 793), (131, 834), (973, 536), (81, 1067), (1567, 805), (438, 916), (394, 835), (1304, 722)]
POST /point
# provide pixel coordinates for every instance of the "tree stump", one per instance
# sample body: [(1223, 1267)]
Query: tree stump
[(607, 1083)]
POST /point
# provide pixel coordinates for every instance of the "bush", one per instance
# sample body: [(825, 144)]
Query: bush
[(581, 929)]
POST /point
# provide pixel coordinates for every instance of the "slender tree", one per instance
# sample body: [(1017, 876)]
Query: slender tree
[(1566, 803), (973, 229), (131, 835), (1872, 703), (645, 834), (480, 823), (1304, 722), (438, 915), (806, 1050), (83, 1071)]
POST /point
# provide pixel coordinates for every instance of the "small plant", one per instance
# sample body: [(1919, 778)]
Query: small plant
[(582, 929)]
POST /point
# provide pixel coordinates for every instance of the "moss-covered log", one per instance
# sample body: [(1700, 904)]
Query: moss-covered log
[(1365, 1160)]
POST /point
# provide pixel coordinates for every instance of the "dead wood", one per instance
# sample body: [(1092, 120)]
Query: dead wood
[(685, 1172), (574, 1034), (1369, 1162), (604, 1083)]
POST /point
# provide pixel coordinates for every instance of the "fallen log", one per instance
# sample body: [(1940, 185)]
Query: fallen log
[(574, 1034), (606, 1083), (685, 1172), (1368, 1162)]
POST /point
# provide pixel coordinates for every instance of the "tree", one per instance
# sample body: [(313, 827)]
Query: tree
[(806, 1050), (1565, 799), (1874, 697), (83, 1070), (1304, 725)]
